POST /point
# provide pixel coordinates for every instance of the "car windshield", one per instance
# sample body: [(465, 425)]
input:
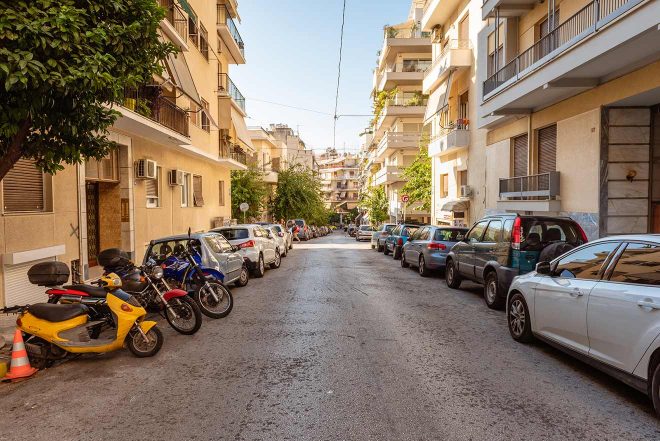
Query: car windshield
[(276, 228), (448, 235), (300, 222), (389, 228), (235, 233), (366, 228), (217, 243), (547, 231)]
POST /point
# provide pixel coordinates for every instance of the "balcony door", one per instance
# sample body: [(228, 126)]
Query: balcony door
[(547, 149), (520, 155)]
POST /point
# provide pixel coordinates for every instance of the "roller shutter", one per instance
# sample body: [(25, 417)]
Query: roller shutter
[(23, 188), (547, 149), (520, 155), (18, 289)]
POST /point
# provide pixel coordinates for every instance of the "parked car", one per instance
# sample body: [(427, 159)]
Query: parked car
[(364, 232), (427, 249), (256, 244), (397, 238), (599, 303), (351, 229), (499, 247), (282, 237), (378, 239), (304, 233), (215, 251)]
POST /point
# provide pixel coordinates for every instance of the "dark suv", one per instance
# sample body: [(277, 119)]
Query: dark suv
[(499, 247)]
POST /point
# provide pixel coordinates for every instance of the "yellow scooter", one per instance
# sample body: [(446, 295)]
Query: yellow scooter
[(53, 331)]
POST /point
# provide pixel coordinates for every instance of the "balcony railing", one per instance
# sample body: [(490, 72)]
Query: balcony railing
[(224, 18), (174, 14), (229, 150), (534, 187), (451, 44), (147, 102), (409, 99), (410, 32), (583, 23), (227, 86)]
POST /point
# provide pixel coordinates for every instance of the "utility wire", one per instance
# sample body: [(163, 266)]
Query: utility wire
[(292, 107), (341, 48)]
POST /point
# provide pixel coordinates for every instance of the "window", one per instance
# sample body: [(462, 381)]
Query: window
[(198, 198), (221, 193), (204, 116), (549, 231), (257, 232), (444, 186), (195, 110), (462, 177), (477, 231), (193, 31), (638, 264), (26, 188), (104, 170), (493, 232), (421, 234), (152, 189), (585, 263), (185, 190), (408, 231), (235, 233), (217, 243), (448, 235), (203, 41)]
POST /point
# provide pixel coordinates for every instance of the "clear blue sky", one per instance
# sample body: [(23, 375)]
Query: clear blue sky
[(292, 49)]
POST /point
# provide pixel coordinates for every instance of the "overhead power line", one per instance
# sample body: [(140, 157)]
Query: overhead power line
[(341, 48), (291, 107)]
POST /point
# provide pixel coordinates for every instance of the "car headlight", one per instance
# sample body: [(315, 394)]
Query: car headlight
[(157, 272)]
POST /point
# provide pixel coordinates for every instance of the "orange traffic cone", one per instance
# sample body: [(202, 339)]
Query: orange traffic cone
[(20, 364)]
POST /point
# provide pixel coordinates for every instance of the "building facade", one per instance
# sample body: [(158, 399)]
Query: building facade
[(339, 175), (179, 136)]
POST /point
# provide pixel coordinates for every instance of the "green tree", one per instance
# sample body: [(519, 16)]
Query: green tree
[(298, 195), (376, 205), (63, 63), (248, 186), (419, 183)]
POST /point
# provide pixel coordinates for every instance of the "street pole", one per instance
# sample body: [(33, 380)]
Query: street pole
[(405, 204), (244, 217)]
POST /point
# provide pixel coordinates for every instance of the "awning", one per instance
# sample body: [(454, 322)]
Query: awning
[(189, 10), (438, 98), (456, 205), (241, 129), (182, 77)]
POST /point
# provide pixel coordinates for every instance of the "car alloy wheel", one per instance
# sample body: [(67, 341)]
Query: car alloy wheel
[(517, 318), (423, 271), (404, 262), (491, 291), (451, 276)]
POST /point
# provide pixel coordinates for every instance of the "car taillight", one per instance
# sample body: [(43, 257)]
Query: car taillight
[(248, 244), (436, 246), (516, 235), (582, 234), (280, 234), (399, 241)]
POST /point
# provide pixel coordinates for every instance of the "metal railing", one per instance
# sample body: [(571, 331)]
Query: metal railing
[(408, 99), (174, 14), (409, 32), (227, 86), (399, 140), (146, 101), (224, 18), (451, 44), (543, 186), (229, 150), (585, 22)]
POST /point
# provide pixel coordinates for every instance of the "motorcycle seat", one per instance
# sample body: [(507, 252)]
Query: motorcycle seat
[(94, 291), (57, 313)]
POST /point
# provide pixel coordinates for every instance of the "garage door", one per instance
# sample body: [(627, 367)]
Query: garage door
[(18, 289)]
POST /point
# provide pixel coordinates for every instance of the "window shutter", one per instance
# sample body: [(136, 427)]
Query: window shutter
[(548, 149), (151, 186), (198, 199), (23, 187), (520, 156)]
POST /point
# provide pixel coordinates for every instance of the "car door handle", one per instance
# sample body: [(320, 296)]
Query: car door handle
[(577, 292), (648, 304)]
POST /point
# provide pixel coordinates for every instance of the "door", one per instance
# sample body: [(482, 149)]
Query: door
[(623, 317), (269, 245), (465, 250), (560, 300), (547, 148), (486, 250), (93, 238), (18, 289), (414, 249)]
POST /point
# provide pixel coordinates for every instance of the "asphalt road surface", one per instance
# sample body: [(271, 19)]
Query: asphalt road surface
[(340, 343)]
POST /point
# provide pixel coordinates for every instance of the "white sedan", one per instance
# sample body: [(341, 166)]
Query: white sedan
[(599, 303)]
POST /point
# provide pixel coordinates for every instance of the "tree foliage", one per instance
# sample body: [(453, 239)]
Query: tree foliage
[(419, 184), (376, 204), (298, 195), (62, 63), (248, 186)]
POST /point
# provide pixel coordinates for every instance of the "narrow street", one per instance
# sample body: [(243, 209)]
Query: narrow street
[(340, 343)]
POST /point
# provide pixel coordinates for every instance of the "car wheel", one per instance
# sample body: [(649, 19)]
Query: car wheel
[(492, 294), (260, 270), (423, 270), (244, 278), (452, 277), (278, 260), (654, 389), (386, 251), (518, 318), (404, 262), (379, 248), (285, 252), (396, 254)]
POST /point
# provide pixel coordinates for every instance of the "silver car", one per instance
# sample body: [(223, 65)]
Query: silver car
[(256, 244), (364, 232), (282, 237)]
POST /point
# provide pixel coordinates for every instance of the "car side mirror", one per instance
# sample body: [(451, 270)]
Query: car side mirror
[(234, 248), (544, 268)]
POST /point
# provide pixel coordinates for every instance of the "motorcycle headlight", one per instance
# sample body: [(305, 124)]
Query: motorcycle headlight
[(157, 272)]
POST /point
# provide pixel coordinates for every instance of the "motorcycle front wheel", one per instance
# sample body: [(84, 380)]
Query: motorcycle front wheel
[(183, 314), (141, 348), (206, 296)]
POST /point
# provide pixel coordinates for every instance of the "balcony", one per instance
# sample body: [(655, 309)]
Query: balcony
[(400, 39), (229, 33), (226, 87), (389, 174), (456, 55), (604, 39), (175, 25), (508, 8), (147, 114), (450, 139), (232, 156), (392, 141), (530, 193), (438, 12), (406, 105), (409, 73)]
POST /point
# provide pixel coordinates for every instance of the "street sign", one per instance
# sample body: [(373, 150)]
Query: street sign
[(405, 198), (244, 207)]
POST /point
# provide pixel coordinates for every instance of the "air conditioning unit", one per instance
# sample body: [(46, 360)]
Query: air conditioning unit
[(466, 191), (176, 177), (145, 169)]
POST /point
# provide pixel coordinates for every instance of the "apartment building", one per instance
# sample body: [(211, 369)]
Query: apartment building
[(456, 147), (569, 98), (179, 136), (293, 150), (399, 109), (339, 180), (266, 159)]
